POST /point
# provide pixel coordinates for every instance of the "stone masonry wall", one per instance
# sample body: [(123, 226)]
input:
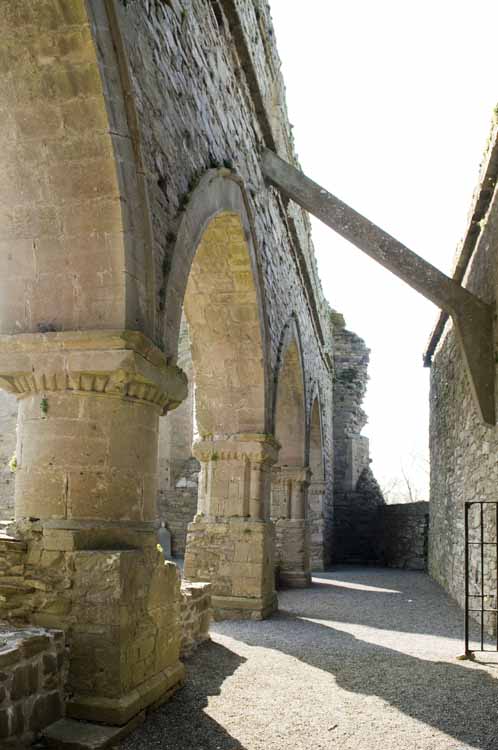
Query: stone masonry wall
[(405, 535), (8, 419), (463, 450), (195, 615), (108, 601), (208, 93), (358, 528), (357, 496), (32, 680)]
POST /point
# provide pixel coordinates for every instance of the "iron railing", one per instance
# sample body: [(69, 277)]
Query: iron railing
[(481, 572)]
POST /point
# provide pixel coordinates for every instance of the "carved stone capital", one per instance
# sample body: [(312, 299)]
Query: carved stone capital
[(257, 448), (294, 474), (122, 364), (316, 487)]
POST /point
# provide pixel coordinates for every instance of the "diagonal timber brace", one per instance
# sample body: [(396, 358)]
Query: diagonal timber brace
[(473, 319)]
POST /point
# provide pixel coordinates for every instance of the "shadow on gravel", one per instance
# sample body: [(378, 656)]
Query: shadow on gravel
[(402, 607), (461, 701), (182, 724)]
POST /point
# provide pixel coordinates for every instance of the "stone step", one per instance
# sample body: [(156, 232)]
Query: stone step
[(70, 734)]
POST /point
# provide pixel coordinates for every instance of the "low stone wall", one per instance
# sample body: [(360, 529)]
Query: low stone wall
[(32, 679), (195, 615), (405, 529)]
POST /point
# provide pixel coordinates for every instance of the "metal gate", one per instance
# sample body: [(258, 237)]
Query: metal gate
[(481, 576)]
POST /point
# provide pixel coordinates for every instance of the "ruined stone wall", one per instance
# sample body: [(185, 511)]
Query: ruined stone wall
[(463, 450), (405, 529), (358, 523), (8, 419), (358, 499), (33, 667), (195, 615)]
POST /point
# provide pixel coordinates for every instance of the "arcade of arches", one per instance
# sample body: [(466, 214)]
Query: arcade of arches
[(166, 337)]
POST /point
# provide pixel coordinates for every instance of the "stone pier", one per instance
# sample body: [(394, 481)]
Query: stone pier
[(89, 407), (230, 541), (289, 511)]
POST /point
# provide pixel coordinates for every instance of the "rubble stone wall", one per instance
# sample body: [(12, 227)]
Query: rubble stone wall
[(32, 681), (195, 615), (463, 449), (358, 529), (358, 499), (405, 529)]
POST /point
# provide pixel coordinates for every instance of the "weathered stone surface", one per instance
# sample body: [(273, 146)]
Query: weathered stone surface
[(195, 615), (463, 450), (236, 556), (405, 529), (28, 703), (69, 734), (8, 419)]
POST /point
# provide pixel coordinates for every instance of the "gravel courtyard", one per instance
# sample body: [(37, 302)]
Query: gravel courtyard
[(363, 660)]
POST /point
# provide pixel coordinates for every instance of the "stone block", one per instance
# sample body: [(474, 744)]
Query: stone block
[(69, 734), (47, 708), (4, 723)]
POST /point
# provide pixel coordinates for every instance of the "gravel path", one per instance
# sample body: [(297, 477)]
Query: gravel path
[(363, 660)]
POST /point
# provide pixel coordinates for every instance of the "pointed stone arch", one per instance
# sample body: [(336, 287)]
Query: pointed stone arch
[(215, 277), (291, 475)]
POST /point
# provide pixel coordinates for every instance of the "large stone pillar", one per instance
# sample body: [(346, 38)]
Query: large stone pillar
[(230, 542), (89, 407), (289, 512)]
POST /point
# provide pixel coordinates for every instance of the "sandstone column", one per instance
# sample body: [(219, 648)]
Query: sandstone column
[(289, 512), (230, 541), (89, 407)]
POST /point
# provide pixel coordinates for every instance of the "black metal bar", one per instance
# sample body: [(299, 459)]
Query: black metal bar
[(470, 569), (482, 576), (466, 619)]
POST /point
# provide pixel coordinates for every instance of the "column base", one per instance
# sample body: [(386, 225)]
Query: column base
[(244, 608), (296, 580), (119, 608), (119, 711), (236, 556)]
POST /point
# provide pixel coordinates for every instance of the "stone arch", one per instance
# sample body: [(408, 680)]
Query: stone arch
[(289, 407), (219, 192), (68, 188), (291, 476), (315, 439), (221, 307), (215, 276)]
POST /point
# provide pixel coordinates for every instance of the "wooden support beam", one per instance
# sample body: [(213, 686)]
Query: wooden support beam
[(473, 318)]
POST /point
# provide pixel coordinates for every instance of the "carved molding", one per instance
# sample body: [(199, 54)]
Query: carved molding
[(291, 474), (257, 448), (119, 364)]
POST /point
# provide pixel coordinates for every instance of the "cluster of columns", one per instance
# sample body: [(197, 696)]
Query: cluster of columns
[(289, 513), (230, 542)]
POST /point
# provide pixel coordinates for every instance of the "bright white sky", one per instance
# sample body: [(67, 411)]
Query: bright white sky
[(391, 104)]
